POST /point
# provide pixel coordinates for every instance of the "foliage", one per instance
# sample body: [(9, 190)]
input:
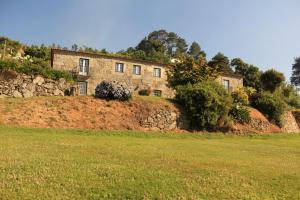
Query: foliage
[(271, 80), (41, 52), (240, 114), (289, 94), (295, 78), (240, 96), (170, 40), (206, 103), (187, 70), (35, 69), (195, 51), (113, 91), (220, 62), (251, 74), (145, 92), (270, 105), (12, 46)]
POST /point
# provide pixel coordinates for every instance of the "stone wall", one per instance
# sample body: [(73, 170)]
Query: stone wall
[(102, 67), (165, 119), (289, 123), (235, 81), (21, 85)]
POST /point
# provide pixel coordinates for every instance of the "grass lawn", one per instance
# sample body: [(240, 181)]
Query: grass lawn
[(74, 164)]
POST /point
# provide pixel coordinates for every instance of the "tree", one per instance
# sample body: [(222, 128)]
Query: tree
[(220, 62), (172, 43), (295, 78), (195, 51), (187, 70), (251, 74), (271, 80), (74, 47)]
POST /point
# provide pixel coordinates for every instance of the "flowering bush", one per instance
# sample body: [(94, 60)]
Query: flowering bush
[(109, 90)]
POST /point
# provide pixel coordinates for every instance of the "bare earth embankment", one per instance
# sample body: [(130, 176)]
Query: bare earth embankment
[(90, 113)]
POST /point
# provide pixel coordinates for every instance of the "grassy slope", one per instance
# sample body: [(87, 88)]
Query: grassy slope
[(65, 164)]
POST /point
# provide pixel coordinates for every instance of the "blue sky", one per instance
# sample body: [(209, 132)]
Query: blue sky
[(262, 32)]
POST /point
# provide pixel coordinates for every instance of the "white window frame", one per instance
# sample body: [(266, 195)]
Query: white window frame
[(226, 84), (84, 66), (136, 69), (157, 72), (157, 93), (119, 67)]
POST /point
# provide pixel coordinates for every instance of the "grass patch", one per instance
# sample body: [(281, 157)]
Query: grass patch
[(82, 164)]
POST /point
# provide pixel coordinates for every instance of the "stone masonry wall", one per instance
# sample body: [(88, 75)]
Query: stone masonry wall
[(290, 124), (103, 68), (21, 85)]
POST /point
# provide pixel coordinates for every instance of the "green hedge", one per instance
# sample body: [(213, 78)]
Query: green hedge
[(35, 69), (207, 104), (270, 105)]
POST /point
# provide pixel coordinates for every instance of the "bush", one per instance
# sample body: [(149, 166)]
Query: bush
[(270, 105), (113, 91), (145, 92), (34, 69), (240, 96), (206, 103), (240, 114)]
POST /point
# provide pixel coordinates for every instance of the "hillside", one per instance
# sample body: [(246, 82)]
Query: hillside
[(86, 112)]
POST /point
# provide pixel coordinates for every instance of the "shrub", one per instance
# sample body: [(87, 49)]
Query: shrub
[(206, 103), (270, 105), (240, 114), (34, 69), (240, 96), (109, 90), (145, 92)]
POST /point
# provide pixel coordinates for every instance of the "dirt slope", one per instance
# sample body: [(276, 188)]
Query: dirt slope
[(77, 112), (90, 113)]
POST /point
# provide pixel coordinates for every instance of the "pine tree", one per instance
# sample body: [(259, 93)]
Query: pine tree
[(295, 79)]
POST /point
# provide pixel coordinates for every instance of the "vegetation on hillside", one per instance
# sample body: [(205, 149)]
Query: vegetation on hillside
[(190, 69)]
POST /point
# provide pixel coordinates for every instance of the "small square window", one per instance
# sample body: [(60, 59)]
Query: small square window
[(120, 67), (157, 72), (157, 93), (136, 69)]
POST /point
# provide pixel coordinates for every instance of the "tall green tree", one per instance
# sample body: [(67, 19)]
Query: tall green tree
[(295, 78), (187, 70), (251, 74), (195, 51), (220, 62), (272, 79)]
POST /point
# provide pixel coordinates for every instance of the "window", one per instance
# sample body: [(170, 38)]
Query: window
[(83, 66), (157, 93), (226, 84), (157, 72), (82, 88), (120, 67), (136, 69)]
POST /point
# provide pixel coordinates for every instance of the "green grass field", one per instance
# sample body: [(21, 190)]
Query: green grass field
[(74, 164)]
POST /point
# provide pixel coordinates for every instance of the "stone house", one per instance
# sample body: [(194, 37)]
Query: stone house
[(91, 68)]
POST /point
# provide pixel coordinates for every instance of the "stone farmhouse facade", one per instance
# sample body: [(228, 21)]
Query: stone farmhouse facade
[(90, 69)]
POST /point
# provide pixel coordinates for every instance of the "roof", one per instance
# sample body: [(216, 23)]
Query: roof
[(101, 55), (231, 74)]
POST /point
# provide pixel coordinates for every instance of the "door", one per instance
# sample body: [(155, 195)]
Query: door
[(82, 88)]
